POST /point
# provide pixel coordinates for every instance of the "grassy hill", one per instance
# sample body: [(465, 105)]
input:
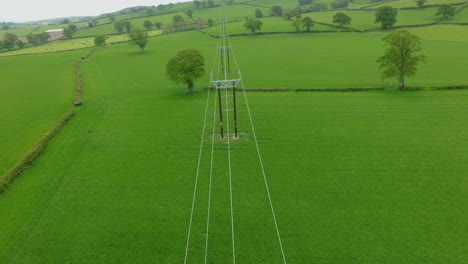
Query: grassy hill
[(354, 177)]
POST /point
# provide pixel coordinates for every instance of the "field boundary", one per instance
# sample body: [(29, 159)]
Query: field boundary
[(350, 89), (27, 160), (79, 78)]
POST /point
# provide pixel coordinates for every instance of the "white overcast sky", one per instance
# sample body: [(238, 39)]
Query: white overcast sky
[(29, 10)]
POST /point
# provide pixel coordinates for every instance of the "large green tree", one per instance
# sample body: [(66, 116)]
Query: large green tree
[(258, 13), (100, 40), (341, 19), (307, 23), (447, 11), (253, 25), (296, 23), (276, 10), (67, 32), (186, 67), (139, 38), (420, 3), (386, 15), (401, 56), (148, 24)]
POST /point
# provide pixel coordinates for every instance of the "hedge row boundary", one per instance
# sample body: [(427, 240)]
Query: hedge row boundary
[(351, 89), (79, 78), (7, 178)]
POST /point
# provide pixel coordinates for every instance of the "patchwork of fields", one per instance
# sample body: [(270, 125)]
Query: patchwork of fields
[(354, 177)]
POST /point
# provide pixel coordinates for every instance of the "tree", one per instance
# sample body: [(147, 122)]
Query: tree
[(178, 19), (189, 13), (297, 24), (305, 2), (160, 7), (10, 37), (341, 19), (100, 40), (420, 3), (210, 3), (43, 37), (307, 23), (5, 27), (210, 22), (401, 58), (33, 39), (20, 43), (1, 45), (200, 23), (119, 26), (138, 37), (149, 12), (128, 26), (67, 32), (170, 5), (112, 18), (197, 4), (276, 10), (73, 27), (447, 11), (253, 25), (258, 13), (148, 25), (66, 21), (386, 15), (186, 67), (339, 4), (8, 44), (158, 25)]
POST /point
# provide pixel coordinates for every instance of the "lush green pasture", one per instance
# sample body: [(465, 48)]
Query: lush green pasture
[(270, 24), (137, 22), (368, 177), (412, 3), (269, 3), (71, 44), (234, 12), (364, 20), (35, 92), (440, 32)]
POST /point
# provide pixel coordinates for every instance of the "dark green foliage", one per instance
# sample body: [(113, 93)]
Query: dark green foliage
[(386, 15), (1, 45), (178, 19), (305, 2), (9, 40), (66, 21), (320, 7), (341, 19), (5, 27), (158, 25), (186, 67), (149, 12), (138, 37), (290, 14), (401, 58), (253, 25), (276, 10), (210, 22), (307, 23), (43, 37), (20, 44), (189, 13), (420, 3), (160, 7), (122, 26), (197, 3), (258, 13), (446, 11), (26, 161), (296, 23), (73, 27), (67, 32), (339, 4), (112, 18), (148, 25), (100, 40)]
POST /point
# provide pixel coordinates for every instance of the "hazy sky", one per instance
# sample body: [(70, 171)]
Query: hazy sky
[(28, 10)]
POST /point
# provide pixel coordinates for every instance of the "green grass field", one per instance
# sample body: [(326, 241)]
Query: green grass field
[(354, 177), (364, 20), (410, 3), (32, 99)]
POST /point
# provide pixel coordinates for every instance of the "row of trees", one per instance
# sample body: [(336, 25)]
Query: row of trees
[(203, 4), (11, 41)]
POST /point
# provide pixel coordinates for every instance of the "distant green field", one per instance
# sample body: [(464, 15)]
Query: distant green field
[(440, 32), (364, 20), (366, 177), (236, 12), (137, 22), (71, 44), (32, 98), (412, 3), (460, 17), (269, 3), (270, 24)]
